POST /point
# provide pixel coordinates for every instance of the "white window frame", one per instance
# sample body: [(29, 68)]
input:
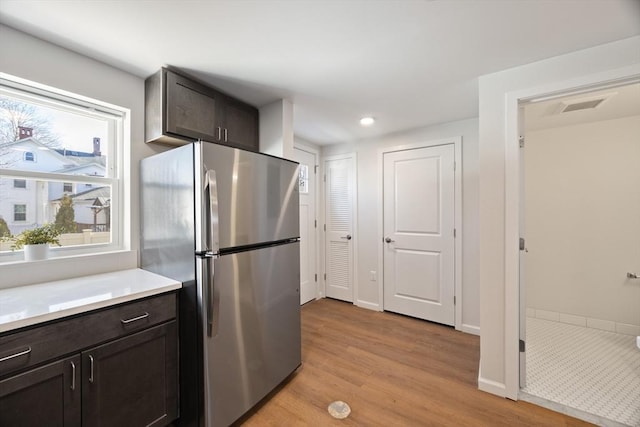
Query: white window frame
[(114, 173)]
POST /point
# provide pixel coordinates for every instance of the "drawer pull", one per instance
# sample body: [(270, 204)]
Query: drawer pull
[(133, 319), (73, 376), (18, 354)]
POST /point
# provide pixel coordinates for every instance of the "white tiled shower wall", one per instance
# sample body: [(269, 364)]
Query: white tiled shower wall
[(587, 322)]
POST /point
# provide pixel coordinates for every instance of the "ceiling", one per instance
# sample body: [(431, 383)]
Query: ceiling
[(407, 63)]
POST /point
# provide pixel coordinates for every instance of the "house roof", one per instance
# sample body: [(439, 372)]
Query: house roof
[(103, 193)]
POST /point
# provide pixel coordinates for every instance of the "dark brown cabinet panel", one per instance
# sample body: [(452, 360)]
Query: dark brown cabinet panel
[(240, 125), (179, 109), (45, 396), (132, 381), (191, 108)]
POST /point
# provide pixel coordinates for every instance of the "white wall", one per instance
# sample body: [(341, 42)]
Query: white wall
[(499, 183), (34, 59), (370, 211), (276, 129), (582, 209)]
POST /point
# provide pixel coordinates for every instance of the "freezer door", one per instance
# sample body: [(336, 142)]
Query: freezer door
[(257, 195), (254, 340)]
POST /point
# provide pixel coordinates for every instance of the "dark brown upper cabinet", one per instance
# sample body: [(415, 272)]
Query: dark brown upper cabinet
[(179, 109)]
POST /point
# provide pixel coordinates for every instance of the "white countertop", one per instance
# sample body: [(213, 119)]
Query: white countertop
[(29, 305)]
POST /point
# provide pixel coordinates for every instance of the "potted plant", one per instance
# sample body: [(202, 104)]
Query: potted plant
[(36, 241)]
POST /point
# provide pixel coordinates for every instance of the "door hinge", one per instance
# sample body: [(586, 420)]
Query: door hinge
[(454, 233), (324, 178), (522, 346), (325, 227), (454, 300), (315, 223), (521, 141), (454, 165), (315, 169), (522, 245), (316, 277), (325, 277)]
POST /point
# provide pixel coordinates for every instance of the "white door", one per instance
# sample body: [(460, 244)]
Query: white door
[(308, 271), (339, 222), (419, 247)]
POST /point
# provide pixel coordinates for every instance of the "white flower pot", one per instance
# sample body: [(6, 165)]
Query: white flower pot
[(36, 252)]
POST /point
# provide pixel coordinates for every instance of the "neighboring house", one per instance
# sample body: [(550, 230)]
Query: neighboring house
[(91, 207), (20, 207)]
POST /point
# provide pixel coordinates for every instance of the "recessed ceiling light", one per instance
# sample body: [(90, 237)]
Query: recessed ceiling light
[(367, 121)]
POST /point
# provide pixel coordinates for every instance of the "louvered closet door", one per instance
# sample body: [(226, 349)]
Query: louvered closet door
[(339, 219)]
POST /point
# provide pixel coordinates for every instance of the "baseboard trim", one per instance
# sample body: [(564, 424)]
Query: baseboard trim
[(470, 329), (368, 305), (493, 387)]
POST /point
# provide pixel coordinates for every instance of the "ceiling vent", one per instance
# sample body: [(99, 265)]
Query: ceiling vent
[(583, 103)]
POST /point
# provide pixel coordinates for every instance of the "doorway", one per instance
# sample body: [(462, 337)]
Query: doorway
[(308, 223), (580, 220)]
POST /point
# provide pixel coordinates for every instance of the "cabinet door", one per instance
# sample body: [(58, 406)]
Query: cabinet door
[(191, 109), (46, 396), (132, 381), (240, 125)]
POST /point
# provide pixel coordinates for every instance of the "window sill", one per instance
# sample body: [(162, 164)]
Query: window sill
[(20, 273)]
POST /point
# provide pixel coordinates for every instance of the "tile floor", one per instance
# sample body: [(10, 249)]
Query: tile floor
[(594, 371)]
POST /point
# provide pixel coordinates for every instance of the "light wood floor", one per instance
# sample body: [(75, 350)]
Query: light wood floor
[(393, 371)]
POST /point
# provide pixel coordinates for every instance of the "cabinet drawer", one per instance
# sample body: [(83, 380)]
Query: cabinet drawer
[(28, 348)]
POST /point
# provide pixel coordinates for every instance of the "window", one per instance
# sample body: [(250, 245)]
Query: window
[(70, 150), (19, 213)]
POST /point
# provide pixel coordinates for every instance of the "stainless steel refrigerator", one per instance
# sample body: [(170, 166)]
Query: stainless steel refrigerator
[(225, 222)]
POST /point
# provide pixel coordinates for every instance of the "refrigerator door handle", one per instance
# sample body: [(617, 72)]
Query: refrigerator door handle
[(212, 297), (213, 245)]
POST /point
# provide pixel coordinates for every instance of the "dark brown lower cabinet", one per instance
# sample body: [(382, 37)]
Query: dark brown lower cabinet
[(132, 381), (111, 367), (46, 396)]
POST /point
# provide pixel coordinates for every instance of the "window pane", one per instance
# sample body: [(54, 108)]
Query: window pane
[(82, 216), (44, 138), (19, 213), (19, 183)]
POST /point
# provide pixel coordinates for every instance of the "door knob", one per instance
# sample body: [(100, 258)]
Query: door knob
[(632, 276), (388, 240), (348, 237)]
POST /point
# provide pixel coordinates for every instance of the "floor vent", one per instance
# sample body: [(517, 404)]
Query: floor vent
[(339, 409)]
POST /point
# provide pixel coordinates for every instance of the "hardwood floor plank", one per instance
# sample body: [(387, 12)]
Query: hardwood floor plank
[(393, 371)]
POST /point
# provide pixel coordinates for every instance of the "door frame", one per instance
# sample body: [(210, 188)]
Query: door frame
[(319, 245), (354, 214), (512, 193), (457, 144)]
